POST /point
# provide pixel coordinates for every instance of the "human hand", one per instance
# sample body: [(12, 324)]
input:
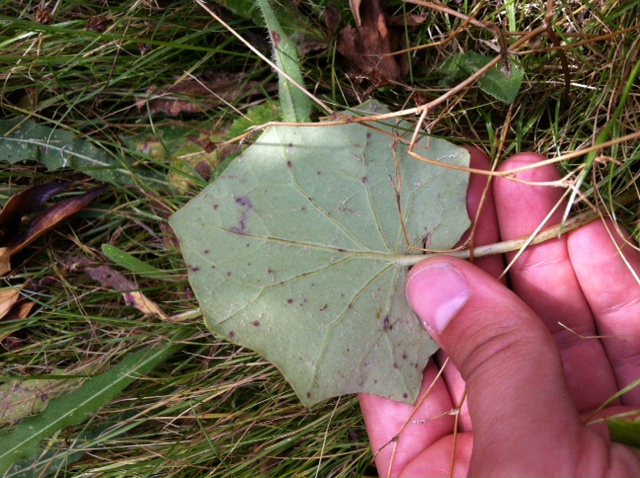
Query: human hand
[(534, 362)]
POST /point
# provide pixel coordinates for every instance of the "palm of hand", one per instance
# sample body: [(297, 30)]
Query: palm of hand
[(548, 365)]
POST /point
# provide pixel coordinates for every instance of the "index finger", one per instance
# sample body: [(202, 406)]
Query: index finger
[(543, 276), (607, 267)]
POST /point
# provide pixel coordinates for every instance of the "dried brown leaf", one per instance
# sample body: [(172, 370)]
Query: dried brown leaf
[(354, 5), (13, 307), (369, 46), (98, 24), (54, 216), (23, 203), (8, 298), (197, 95), (332, 18), (5, 260), (12, 239), (145, 305), (20, 310), (112, 279)]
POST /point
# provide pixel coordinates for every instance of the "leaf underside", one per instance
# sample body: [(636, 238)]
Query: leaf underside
[(293, 252)]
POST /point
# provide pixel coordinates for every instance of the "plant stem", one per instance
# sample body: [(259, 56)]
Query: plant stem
[(553, 232)]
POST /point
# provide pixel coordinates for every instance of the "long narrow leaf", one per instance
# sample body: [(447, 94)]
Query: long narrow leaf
[(22, 139), (296, 106), (71, 409)]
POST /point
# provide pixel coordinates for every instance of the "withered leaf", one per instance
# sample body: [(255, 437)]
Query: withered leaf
[(55, 215), (98, 24), (13, 240), (13, 306), (23, 203), (20, 310), (354, 5), (5, 260), (112, 279), (197, 95), (145, 305), (369, 46), (332, 18), (8, 298)]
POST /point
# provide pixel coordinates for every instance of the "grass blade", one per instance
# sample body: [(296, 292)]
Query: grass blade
[(21, 443), (133, 264)]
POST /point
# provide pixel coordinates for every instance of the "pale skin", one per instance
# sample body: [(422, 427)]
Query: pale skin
[(530, 382)]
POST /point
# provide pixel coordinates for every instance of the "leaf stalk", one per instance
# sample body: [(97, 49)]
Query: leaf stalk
[(511, 245)]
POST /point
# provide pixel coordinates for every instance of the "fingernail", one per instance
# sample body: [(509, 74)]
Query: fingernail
[(436, 293)]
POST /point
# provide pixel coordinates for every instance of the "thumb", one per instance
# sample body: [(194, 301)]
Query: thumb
[(520, 407)]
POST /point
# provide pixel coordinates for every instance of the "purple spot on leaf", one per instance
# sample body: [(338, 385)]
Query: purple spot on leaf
[(276, 38), (246, 205), (244, 201)]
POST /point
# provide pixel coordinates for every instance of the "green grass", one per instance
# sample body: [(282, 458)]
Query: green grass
[(215, 409)]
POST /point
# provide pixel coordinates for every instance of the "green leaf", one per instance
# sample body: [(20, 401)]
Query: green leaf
[(254, 116), (624, 431), (21, 398), (496, 82), (131, 263), (73, 408), (53, 461), (291, 19), (23, 140), (295, 104), (296, 252)]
